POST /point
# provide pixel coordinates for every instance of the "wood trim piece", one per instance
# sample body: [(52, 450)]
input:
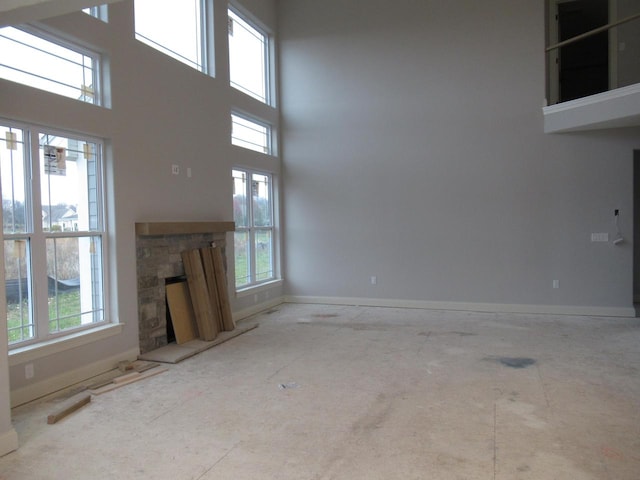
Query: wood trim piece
[(181, 228)]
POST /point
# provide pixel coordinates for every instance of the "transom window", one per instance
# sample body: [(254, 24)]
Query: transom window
[(254, 234), (53, 232), (40, 61), (248, 57), (250, 134), (177, 28)]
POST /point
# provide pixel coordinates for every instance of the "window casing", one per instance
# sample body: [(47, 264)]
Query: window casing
[(53, 232), (40, 60), (254, 236), (180, 29), (251, 134), (249, 58)]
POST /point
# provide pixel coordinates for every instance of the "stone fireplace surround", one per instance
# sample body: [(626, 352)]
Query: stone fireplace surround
[(158, 256)]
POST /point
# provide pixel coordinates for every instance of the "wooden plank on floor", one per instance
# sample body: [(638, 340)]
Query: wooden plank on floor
[(210, 275), (207, 325), (223, 291), (122, 383), (182, 314), (68, 407)]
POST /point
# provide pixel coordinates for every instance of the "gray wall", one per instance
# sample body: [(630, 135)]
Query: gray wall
[(162, 113), (629, 35), (414, 152)]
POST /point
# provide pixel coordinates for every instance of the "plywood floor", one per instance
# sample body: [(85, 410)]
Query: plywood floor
[(331, 392)]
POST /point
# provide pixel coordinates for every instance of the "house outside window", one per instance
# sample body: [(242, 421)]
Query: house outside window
[(254, 242), (53, 232)]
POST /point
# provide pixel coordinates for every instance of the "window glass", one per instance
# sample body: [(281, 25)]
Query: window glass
[(61, 253), (41, 63), (249, 134), (253, 237), (174, 27), (248, 58)]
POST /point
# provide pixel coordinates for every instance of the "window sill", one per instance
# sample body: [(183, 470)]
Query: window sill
[(261, 287), (29, 353)]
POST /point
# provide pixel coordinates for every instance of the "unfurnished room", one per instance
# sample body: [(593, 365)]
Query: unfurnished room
[(348, 239)]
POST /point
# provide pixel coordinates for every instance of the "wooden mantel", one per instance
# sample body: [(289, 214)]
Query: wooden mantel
[(182, 228)]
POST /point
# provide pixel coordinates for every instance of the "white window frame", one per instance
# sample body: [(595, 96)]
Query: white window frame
[(86, 93), (267, 55), (37, 236), (249, 122), (206, 62), (250, 229)]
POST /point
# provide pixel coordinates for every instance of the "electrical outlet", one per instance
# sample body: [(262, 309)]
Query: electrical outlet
[(28, 371), (374, 280), (556, 284), (175, 169)]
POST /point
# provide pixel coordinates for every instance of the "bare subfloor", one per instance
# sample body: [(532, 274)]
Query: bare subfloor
[(330, 392)]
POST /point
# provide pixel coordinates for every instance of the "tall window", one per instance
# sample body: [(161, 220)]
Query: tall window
[(40, 61), (254, 234), (177, 28), (53, 232), (248, 57), (250, 134)]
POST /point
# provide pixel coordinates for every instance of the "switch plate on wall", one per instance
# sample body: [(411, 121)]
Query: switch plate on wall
[(599, 237)]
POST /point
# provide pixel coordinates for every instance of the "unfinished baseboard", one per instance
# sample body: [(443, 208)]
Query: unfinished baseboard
[(8, 442), (468, 307), (47, 386), (260, 307)]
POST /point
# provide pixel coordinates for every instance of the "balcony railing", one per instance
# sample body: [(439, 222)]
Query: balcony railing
[(583, 62)]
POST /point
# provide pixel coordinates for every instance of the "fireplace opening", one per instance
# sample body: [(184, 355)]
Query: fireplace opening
[(171, 334)]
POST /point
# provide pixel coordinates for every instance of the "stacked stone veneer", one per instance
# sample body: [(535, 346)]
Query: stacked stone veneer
[(159, 257)]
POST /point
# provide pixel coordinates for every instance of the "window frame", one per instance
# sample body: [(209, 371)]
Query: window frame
[(251, 230), (206, 61), (38, 237), (75, 47), (267, 52), (267, 148)]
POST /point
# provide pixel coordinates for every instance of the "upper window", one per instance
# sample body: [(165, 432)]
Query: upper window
[(53, 232), (42, 62), (248, 57), (99, 11), (250, 134), (177, 28)]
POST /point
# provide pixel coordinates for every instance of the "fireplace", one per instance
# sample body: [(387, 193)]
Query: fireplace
[(158, 256)]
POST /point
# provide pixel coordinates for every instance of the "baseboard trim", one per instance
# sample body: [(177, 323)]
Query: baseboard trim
[(8, 442), (50, 385), (260, 307), (467, 306)]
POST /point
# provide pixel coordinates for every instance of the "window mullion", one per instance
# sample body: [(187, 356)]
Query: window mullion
[(37, 245)]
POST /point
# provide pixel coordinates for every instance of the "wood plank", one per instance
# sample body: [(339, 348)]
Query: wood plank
[(141, 376), (126, 378), (183, 317), (68, 407), (223, 293), (207, 323), (210, 275), (181, 228)]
